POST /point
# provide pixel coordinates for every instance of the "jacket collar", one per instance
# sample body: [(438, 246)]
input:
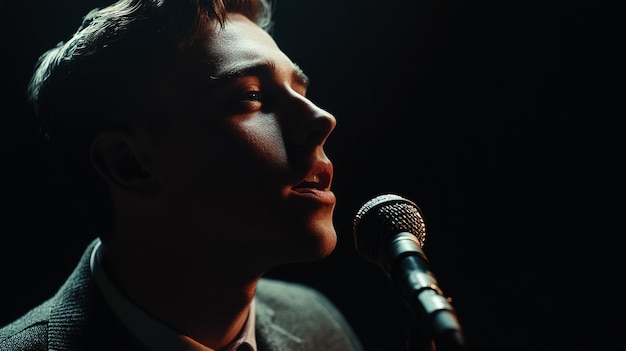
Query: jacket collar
[(80, 319)]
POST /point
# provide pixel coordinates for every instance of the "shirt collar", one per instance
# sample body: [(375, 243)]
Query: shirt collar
[(156, 335)]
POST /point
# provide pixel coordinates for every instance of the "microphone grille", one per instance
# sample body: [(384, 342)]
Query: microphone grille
[(381, 218)]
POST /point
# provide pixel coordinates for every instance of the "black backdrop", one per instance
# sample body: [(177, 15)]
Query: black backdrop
[(499, 118)]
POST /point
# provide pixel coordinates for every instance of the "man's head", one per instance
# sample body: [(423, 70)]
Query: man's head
[(202, 131), (101, 77)]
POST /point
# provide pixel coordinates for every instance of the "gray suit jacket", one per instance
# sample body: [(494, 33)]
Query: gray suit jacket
[(289, 317)]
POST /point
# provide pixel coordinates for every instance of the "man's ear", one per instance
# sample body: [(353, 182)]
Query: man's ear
[(114, 158)]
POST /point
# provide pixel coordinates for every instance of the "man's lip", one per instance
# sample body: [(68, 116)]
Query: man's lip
[(321, 196), (319, 177)]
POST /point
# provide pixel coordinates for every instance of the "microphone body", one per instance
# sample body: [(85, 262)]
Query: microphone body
[(389, 231)]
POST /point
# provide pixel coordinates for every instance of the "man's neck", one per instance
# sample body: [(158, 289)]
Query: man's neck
[(209, 306)]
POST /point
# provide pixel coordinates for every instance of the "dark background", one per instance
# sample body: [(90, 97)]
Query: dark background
[(501, 119)]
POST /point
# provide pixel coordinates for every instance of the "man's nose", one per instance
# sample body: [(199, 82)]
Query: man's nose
[(310, 125)]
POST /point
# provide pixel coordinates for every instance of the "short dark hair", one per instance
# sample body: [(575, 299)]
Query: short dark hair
[(98, 77)]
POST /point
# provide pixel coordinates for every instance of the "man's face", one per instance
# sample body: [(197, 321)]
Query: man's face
[(241, 165)]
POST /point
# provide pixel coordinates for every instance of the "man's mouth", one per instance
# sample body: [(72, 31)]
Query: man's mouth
[(314, 181)]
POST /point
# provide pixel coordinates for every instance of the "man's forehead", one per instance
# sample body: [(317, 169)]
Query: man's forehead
[(238, 49)]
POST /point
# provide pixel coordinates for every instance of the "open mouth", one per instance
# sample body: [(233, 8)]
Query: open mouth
[(320, 181)]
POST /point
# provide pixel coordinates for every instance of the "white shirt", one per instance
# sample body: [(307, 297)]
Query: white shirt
[(156, 335)]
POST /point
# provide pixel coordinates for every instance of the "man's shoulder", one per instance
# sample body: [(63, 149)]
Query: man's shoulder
[(294, 315), (29, 332), (309, 303)]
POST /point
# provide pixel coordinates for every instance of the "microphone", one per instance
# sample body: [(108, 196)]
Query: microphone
[(389, 231)]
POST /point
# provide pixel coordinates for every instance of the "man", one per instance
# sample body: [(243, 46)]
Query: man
[(188, 137)]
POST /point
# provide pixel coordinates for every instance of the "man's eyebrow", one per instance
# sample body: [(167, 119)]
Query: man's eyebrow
[(260, 69), (299, 75)]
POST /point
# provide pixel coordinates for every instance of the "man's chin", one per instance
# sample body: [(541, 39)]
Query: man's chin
[(323, 243)]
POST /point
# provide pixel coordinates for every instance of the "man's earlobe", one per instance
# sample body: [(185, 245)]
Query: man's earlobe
[(113, 158)]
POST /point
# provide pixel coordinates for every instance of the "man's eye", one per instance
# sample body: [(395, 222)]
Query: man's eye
[(252, 95)]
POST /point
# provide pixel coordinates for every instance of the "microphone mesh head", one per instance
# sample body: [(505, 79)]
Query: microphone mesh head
[(381, 218)]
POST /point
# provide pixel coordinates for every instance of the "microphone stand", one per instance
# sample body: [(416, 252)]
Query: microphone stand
[(435, 325)]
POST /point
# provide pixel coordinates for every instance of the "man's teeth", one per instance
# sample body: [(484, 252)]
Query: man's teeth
[(312, 179)]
